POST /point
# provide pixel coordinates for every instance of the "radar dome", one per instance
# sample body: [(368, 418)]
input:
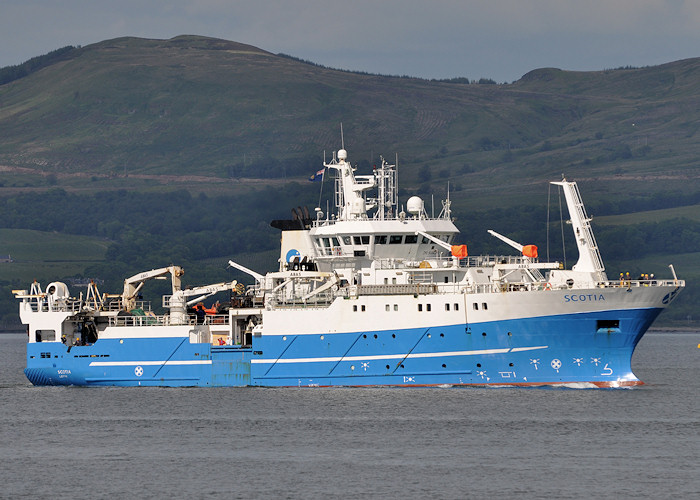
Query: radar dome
[(414, 205), (342, 154)]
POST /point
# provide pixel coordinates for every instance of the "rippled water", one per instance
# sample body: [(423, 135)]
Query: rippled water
[(68, 442)]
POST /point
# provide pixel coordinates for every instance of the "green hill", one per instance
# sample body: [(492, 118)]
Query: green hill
[(200, 106), (182, 150)]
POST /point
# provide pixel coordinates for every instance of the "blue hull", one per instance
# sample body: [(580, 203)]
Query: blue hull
[(561, 349)]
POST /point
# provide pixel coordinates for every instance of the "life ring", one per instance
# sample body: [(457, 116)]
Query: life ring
[(548, 286)]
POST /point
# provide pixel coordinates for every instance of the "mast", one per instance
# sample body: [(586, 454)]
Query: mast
[(589, 259)]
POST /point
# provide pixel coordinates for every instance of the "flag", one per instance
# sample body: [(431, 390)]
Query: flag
[(318, 176)]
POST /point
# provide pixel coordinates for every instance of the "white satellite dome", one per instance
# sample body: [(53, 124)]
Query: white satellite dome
[(414, 205), (342, 154)]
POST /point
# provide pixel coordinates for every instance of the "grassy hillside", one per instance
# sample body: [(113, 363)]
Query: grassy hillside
[(100, 142), (213, 108)]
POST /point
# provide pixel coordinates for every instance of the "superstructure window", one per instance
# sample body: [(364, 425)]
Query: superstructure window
[(380, 239), (476, 306), (347, 240), (411, 238), (395, 239)]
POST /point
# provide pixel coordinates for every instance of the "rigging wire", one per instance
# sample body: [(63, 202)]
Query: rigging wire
[(549, 192), (561, 219)]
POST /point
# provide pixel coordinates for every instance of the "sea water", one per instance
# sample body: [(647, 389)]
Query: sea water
[(72, 442)]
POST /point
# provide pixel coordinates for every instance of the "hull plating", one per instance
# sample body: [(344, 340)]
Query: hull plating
[(562, 349)]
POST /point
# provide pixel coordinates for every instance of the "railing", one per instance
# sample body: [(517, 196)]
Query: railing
[(164, 320)]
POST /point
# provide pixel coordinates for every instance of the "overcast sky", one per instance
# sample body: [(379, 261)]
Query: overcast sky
[(499, 39)]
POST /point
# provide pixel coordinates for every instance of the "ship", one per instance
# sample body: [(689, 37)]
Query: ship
[(374, 294)]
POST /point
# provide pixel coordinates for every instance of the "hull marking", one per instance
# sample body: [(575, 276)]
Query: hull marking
[(152, 363), (395, 356)]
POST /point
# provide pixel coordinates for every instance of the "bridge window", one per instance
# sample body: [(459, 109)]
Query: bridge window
[(360, 240), (411, 238), (347, 240), (380, 239), (395, 239)]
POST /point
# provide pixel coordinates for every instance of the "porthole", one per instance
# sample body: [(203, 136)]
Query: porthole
[(375, 335), (444, 365), (442, 334), (393, 335), (510, 364), (364, 336), (510, 334), (429, 335), (387, 367), (322, 337), (478, 365), (483, 334), (284, 338)]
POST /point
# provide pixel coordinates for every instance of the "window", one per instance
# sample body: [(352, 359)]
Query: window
[(336, 242), (387, 308), (396, 307), (395, 239), (420, 307), (476, 306), (380, 239), (424, 240), (356, 240), (386, 281), (447, 307), (347, 240), (427, 307), (365, 239), (456, 306), (327, 242), (45, 336), (393, 281), (363, 308), (411, 238), (484, 306), (354, 308)]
